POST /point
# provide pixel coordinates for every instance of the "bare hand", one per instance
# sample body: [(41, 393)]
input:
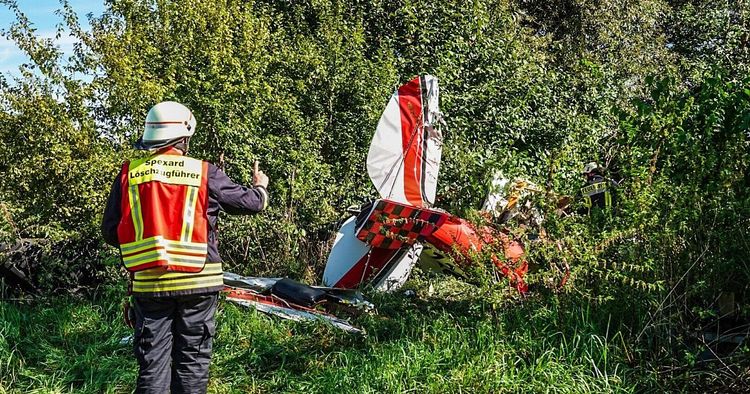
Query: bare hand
[(259, 178)]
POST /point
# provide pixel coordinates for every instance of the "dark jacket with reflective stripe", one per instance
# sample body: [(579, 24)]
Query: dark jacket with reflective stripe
[(601, 196), (223, 195)]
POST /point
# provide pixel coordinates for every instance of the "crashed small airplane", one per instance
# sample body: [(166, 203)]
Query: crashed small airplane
[(382, 242), (388, 237)]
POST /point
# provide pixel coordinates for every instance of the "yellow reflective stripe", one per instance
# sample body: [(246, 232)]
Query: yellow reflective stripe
[(161, 273), (161, 254), (607, 199), (186, 249), (135, 211), (135, 163), (178, 284), (133, 247), (594, 188), (188, 215), (187, 262), (145, 247), (186, 245), (144, 258), (196, 278), (158, 240), (171, 262), (166, 255), (587, 201)]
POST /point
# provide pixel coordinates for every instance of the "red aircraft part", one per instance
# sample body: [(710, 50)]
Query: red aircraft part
[(366, 267), (458, 238), (393, 225)]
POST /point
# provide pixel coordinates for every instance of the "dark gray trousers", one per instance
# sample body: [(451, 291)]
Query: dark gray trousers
[(173, 341)]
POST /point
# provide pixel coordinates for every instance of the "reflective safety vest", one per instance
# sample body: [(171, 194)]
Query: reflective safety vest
[(163, 209), (595, 189)]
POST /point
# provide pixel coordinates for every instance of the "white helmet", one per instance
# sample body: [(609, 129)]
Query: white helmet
[(591, 167), (166, 123)]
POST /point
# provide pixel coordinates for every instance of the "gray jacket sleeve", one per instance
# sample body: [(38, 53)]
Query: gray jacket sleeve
[(111, 218), (233, 198)]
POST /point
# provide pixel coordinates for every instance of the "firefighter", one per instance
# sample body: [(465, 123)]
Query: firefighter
[(162, 214), (598, 192)]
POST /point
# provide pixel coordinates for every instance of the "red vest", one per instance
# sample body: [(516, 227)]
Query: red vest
[(163, 213)]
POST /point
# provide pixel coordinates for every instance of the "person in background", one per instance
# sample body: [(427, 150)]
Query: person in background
[(598, 192), (162, 214)]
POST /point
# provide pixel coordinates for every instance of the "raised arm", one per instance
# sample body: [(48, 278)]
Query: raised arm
[(233, 198)]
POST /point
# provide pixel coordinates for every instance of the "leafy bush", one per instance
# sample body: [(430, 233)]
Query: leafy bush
[(651, 89)]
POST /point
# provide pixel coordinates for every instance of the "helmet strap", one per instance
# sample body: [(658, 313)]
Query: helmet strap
[(183, 145)]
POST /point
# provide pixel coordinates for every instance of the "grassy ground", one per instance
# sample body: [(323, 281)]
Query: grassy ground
[(431, 343)]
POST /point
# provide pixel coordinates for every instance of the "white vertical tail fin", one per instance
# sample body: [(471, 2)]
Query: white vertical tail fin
[(404, 157)]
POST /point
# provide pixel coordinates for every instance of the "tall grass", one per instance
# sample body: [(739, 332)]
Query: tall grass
[(432, 343)]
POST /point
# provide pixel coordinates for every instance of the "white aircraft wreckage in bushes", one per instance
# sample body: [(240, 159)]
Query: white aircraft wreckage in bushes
[(382, 242)]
